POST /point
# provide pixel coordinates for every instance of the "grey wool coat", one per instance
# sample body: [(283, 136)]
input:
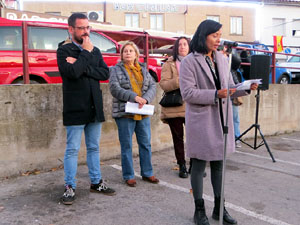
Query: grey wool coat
[(121, 89), (204, 133)]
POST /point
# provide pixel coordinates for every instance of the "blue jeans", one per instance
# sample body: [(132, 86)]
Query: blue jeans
[(92, 132), (142, 129), (236, 120)]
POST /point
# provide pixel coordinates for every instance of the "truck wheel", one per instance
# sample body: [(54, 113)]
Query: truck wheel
[(283, 79), (34, 82), (20, 81)]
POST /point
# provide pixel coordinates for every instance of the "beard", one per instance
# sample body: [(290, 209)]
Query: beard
[(79, 39)]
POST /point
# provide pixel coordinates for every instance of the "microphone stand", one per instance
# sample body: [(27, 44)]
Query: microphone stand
[(229, 50)]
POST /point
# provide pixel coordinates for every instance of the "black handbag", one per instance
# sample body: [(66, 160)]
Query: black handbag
[(171, 99)]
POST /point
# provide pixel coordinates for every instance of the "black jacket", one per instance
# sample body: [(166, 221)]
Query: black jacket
[(82, 96), (235, 64)]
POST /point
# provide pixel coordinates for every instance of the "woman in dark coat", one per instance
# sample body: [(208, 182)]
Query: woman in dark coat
[(204, 77)]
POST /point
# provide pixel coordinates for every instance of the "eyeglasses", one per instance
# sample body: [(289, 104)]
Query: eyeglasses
[(83, 28)]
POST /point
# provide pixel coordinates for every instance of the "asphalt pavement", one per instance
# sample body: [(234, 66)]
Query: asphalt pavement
[(257, 192)]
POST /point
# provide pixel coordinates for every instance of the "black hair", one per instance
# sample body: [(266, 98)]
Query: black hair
[(72, 19), (244, 54), (207, 27), (176, 45), (235, 62)]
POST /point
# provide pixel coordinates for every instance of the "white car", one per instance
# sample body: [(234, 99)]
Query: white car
[(293, 65)]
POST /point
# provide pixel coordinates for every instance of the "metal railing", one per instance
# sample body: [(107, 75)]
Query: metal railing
[(273, 62)]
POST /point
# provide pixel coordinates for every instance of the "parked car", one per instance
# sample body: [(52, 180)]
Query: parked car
[(293, 64), (282, 75), (42, 42)]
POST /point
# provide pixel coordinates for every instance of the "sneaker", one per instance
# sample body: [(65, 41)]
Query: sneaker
[(238, 144), (68, 196), (102, 188)]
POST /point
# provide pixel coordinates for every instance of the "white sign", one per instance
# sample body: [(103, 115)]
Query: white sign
[(161, 8), (24, 16)]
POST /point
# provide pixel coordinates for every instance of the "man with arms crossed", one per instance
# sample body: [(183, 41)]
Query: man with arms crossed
[(82, 67)]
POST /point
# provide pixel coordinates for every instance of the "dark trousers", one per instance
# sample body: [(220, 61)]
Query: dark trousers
[(176, 126), (198, 168)]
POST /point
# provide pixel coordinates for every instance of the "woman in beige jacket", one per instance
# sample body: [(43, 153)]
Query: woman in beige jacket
[(175, 116)]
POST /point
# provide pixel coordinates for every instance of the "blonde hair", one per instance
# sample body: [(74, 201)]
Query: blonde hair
[(136, 49)]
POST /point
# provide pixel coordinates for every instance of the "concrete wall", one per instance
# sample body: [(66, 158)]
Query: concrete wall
[(32, 135), (279, 110)]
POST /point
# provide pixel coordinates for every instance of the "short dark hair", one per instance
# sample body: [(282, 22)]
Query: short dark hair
[(207, 27), (176, 45), (72, 19)]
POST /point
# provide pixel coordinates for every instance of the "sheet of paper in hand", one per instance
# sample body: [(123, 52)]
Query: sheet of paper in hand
[(246, 84), (134, 109)]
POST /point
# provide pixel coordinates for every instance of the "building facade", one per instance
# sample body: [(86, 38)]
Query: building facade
[(238, 20), (282, 19)]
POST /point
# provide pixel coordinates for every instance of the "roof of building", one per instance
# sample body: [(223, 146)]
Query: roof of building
[(282, 2)]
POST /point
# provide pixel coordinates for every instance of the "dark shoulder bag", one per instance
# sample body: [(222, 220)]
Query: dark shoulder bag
[(171, 99)]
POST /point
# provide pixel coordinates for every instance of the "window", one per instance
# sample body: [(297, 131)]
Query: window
[(131, 20), (294, 59), (54, 13), (156, 22), (44, 38), (11, 38), (236, 25), (278, 26), (215, 18), (105, 45), (296, 28), (85, 13)]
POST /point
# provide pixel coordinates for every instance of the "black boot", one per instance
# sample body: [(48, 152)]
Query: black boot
[(182, 171), (200, 217), (227, 219)]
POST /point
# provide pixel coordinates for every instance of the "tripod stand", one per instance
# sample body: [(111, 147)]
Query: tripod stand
[(256, 126)]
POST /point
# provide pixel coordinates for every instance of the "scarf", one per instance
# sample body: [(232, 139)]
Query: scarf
[(136, 80), (178, 61)]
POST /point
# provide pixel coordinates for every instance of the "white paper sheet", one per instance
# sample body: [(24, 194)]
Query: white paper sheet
[(246, 84), (134, 108)]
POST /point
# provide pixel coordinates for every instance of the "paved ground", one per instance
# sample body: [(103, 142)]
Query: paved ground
[(258, 192)]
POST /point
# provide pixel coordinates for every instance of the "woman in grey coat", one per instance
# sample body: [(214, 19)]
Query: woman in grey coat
[(204, 77), (131, 82)]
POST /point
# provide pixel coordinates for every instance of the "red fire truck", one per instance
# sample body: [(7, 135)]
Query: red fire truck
[(28, 49)]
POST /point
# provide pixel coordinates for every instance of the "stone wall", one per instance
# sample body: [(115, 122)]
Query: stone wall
[(32, 135)]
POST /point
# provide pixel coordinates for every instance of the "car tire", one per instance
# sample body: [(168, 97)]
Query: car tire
[(20, 81), (284, 79)]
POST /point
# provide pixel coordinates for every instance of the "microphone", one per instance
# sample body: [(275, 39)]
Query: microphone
[(229, 43)]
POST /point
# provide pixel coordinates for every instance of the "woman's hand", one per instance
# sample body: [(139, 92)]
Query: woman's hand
[(222, 93), (141, 101), (254, 86)]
